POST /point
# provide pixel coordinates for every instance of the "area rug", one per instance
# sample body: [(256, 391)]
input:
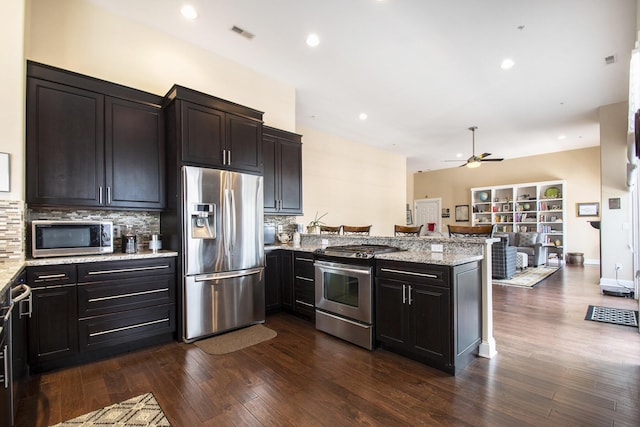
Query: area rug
[(527, 278), (618, 316), (236, 340), (140, 411)]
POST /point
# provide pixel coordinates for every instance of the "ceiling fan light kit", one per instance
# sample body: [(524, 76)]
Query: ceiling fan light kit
[(474, 161)]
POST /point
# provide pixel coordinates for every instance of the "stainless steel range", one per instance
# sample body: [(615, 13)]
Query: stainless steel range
[(344, 291)]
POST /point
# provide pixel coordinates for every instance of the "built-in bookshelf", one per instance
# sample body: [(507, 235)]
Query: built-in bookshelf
[(533, 206)]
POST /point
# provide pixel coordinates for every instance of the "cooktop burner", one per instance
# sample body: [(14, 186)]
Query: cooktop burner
[(356, 251)]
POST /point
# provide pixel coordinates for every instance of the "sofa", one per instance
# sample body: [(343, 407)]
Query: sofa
[(531, 243), (503, 259)]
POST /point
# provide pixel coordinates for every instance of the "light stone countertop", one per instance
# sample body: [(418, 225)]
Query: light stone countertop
[(10, 269), (424, 257)]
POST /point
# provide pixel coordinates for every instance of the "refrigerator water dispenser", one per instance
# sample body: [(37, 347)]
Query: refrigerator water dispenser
[(203, 221)]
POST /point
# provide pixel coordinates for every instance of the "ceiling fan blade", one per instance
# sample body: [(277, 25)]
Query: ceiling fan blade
[(491, 160), (463, 165), (483, 155)]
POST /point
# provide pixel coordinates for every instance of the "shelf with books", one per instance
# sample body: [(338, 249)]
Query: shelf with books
[(530, 207)]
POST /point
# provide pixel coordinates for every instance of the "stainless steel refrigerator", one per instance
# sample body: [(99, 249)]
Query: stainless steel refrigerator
[(223, 251)]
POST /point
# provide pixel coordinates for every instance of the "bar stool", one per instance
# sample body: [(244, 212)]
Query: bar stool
[(356, 230), (327, 229), (471, 231), (404, 230)]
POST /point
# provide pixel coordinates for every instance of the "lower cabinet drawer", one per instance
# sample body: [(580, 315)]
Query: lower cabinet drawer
[(114, 329), (106, 297)]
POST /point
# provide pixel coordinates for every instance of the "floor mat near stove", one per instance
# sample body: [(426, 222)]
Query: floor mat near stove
[(618, 316)]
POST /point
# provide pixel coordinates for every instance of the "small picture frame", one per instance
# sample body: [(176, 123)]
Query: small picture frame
[(462, 213), (588, 209), (4, 172), (445, 213)]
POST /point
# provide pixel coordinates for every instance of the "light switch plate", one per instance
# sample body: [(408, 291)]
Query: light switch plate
[(437, 248)]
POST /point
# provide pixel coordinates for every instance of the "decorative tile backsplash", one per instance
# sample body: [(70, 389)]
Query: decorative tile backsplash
[(143, 223), (11, 229), (288, 222)]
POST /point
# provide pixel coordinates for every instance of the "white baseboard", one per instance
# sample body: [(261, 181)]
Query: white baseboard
[(613, 283), (592, 261)]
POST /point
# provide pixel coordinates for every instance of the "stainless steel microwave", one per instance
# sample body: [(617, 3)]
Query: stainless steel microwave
[(66, 238)]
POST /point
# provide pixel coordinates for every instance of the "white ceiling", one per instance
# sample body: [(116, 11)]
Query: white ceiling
[(426, 70)]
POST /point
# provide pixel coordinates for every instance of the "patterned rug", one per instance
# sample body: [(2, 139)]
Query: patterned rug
[(618, 316), (527, 278), (236, 340), (140, 411)]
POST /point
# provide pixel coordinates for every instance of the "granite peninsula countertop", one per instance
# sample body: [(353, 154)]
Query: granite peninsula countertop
[(10, 269)]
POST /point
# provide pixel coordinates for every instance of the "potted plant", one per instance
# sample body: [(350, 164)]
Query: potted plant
[(314, 226)]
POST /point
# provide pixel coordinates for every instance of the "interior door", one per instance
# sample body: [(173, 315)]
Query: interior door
[(427, 211)]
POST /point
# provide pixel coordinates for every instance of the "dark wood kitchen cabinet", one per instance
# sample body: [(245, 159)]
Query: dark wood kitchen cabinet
[(272, 281), (91, 143), (53, 326), (304, 289), (282, 155), (84, 312), (207, 131), (431, 313), (279, 280)]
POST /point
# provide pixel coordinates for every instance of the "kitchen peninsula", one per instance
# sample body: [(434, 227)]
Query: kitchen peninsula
[(432, 298)]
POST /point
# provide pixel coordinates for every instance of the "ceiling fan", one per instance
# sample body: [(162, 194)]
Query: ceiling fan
[(474, 161)]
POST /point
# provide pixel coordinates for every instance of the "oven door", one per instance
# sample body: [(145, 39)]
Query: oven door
[(345, 290)]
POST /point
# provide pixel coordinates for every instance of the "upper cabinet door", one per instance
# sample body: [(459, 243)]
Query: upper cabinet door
[(282, 156), (271, 177), (65, 145), (203, 135), (290, 177), (134, 159), (244, 147)]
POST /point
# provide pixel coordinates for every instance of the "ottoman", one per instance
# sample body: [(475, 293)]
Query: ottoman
[(522, 260)]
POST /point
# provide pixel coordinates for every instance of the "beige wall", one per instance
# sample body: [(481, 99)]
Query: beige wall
[(78, 36), (579, 169), (617, 235), (12, 105), (355, 184)]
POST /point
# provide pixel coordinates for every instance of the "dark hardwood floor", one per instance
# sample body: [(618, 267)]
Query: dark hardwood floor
[(552, 368)]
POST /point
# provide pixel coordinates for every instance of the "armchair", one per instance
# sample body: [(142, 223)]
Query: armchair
[(503, 259), (530, 243)]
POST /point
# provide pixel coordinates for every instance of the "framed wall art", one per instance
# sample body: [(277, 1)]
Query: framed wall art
[(462, 213), (588, 209), (4, 172)]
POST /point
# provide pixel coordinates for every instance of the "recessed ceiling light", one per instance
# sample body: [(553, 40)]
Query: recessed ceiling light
[(313, 40), (459, 155), (189, 12), (561, 137), (363, 116), (507, 64)]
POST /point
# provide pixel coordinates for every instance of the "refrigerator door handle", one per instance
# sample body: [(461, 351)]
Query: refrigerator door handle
[(227, 274), (227, 222), (233, 219)]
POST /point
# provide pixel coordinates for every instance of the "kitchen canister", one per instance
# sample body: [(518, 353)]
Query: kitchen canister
[(296, 239), (155, 243)]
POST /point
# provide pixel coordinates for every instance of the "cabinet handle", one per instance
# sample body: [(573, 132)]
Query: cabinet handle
[(411, 273), (404, 294), (410, 289), (53, 287), (124, 328), (109, 195), (100, 194), (305, 278), (5, 359), (224, 157), (304, 303), (304, 259), (51, 277), (127, 270), (131, 294)]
